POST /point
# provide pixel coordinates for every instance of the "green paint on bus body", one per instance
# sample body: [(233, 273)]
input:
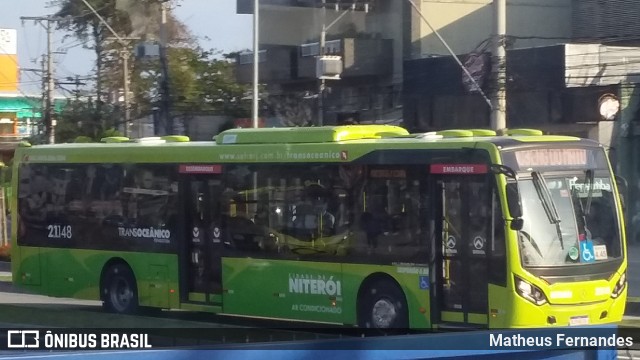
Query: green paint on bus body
[(75, 273), (312, 291)]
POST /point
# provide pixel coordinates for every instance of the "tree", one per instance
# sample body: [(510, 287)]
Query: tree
[(201, 82), (75, 121)]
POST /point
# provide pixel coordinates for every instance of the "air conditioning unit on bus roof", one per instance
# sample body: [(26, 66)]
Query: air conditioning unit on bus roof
[(329, 67)]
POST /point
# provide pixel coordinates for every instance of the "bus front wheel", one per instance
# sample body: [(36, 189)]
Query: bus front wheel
[(119, 290), (383, 306)]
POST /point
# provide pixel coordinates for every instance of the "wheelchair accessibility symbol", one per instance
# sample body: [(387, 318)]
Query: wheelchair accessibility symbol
[(586, 252), (424, 282)]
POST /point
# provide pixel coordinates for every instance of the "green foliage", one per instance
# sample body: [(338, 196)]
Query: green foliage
[(111, 133), (200, 83), (84, 24), (78, 119)]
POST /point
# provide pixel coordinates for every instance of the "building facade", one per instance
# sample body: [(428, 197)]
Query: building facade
[(369, 39), (563, 58)]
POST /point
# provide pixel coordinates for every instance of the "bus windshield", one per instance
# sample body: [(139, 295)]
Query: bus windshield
[(585, 229)]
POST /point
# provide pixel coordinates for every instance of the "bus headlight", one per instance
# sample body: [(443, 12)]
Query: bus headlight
[(530, 292), (620, 285)]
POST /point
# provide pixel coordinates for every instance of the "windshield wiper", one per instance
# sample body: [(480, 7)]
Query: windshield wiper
[(533, 243), (589, 182), (547, 203)]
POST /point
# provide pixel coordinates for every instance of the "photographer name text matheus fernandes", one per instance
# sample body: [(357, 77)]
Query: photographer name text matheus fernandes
[(559, 340), (50, 340)]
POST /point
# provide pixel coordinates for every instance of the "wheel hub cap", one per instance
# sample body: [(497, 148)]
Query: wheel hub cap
[(384, 313)]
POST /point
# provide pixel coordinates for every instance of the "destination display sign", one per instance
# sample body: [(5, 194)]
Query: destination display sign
[(552, 157), (555, 158)]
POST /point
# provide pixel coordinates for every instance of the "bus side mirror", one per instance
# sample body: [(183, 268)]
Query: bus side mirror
[(515, 205), (517, 224)]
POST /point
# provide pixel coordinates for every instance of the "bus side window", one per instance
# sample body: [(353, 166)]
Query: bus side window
[(242, 209), (393, 218)]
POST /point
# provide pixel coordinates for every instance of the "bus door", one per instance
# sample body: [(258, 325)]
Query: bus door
[(204, 240), (462, 241)]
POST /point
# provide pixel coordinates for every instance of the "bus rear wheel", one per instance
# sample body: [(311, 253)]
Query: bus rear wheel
[(383, 306), (119, 290)]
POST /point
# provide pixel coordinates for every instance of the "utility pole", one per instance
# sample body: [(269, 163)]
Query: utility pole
[(165, 109), (323, 39), (256, 61), (77, 94), (499, 67), (49, 121), (44, 89), (127, 108), (125, 54)]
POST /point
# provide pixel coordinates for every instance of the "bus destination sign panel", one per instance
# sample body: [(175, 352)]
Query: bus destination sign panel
[(459, 169), (551, 158)]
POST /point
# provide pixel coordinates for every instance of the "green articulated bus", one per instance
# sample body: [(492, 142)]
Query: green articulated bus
[(364, 225)]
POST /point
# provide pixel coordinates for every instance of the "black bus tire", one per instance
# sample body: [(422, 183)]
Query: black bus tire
[(119, 290), (383, 306)]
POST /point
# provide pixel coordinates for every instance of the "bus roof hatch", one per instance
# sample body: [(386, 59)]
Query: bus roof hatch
[(524, 132), (308, 134), (114, 139)]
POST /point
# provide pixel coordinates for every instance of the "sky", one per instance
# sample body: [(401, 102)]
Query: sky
[(213, 19)]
